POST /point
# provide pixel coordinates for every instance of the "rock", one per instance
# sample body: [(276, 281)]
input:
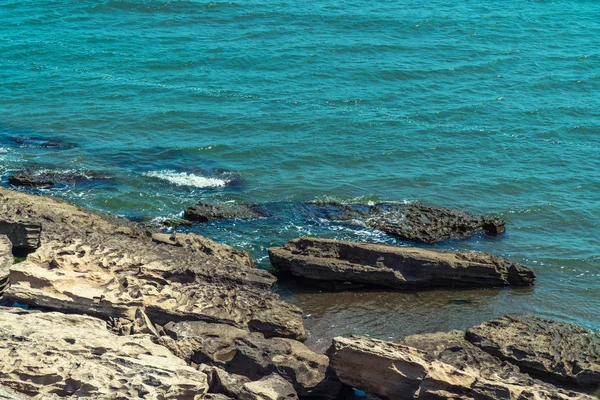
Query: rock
[(25, 237), (272, 387), (397, 371), (328, 260), (251, 355), (30, 181), (40, 142), (6, 261), (154, 224), (51, 353), (222, 382), (413, 221), (101, 265), (9, 394), (555, 352), (48, 179), (204, 212)]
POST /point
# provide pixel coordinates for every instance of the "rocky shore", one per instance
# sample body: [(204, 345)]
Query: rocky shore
[(102, 308)]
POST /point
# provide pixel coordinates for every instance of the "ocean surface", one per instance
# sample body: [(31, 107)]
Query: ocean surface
[(487, 106)]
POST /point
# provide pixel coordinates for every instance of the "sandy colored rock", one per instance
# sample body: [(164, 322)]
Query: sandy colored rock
[(397, 371), (250, 354), (222, 382), (72, 355), (102, 265), (556, 352), (6, 261), (272, 387), (326, 260)]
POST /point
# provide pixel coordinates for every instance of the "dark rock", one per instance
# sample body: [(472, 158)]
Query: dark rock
[(39, 142), (24, 236), (328, 260), (556, 352), (204, 212), (30, 181), (414, 221)]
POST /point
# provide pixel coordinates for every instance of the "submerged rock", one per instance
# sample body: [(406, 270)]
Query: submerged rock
[(92, 263), (204, 212), (438, 366), (556, 352), (39, 142), (54, 354), (326, 260), (412, 221), (48, 179)]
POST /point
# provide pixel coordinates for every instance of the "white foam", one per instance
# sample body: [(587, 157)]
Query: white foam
[(186, 179)]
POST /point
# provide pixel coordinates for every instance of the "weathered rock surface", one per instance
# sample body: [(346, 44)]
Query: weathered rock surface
[(204, 212), (251, 355), (414, 221), (553, 351), (222, 382), (321, 260), (446, 368), (102, 265), (30, 181), (25, 237), (272, 387), (48, 354), (6, 260)]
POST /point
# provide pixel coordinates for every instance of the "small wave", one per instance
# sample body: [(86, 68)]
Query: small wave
[(187, 179)]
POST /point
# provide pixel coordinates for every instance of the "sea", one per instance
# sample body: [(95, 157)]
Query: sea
[(491, 107)]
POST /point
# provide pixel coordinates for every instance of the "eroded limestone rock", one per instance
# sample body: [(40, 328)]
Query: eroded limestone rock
[(272, 387), (47, 354), (556, 352), (446, 368), (325, 260), (101, 265)]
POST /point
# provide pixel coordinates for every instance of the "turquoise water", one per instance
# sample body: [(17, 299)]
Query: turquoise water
[(487, 106)]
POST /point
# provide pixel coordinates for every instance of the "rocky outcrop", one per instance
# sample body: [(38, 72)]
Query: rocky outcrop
[(6, 261), (204, 212), (251, 355), (325, 260), (412, 221), (556, 352), (48, 179), (30, 181), (53, 354), (272, 387), (92, 263), (446, 367)]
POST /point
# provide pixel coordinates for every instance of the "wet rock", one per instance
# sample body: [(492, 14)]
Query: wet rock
[(100, 265), (51, 353), (161, 224), (48, 179), (39, 142), (272, 387), (395, 267), (446, 368), (30, 181), (414, 221), (253, 356), (556, 352), (204, 212)]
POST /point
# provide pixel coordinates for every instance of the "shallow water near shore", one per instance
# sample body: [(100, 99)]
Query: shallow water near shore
[(490, 107)]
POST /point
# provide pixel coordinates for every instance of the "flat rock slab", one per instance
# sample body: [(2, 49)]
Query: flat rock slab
[(396, 371), (556, 352), (326, 260), (48, 354), (97, 264)]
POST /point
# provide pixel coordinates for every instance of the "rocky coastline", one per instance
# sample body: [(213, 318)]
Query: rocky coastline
[(101, 307)]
